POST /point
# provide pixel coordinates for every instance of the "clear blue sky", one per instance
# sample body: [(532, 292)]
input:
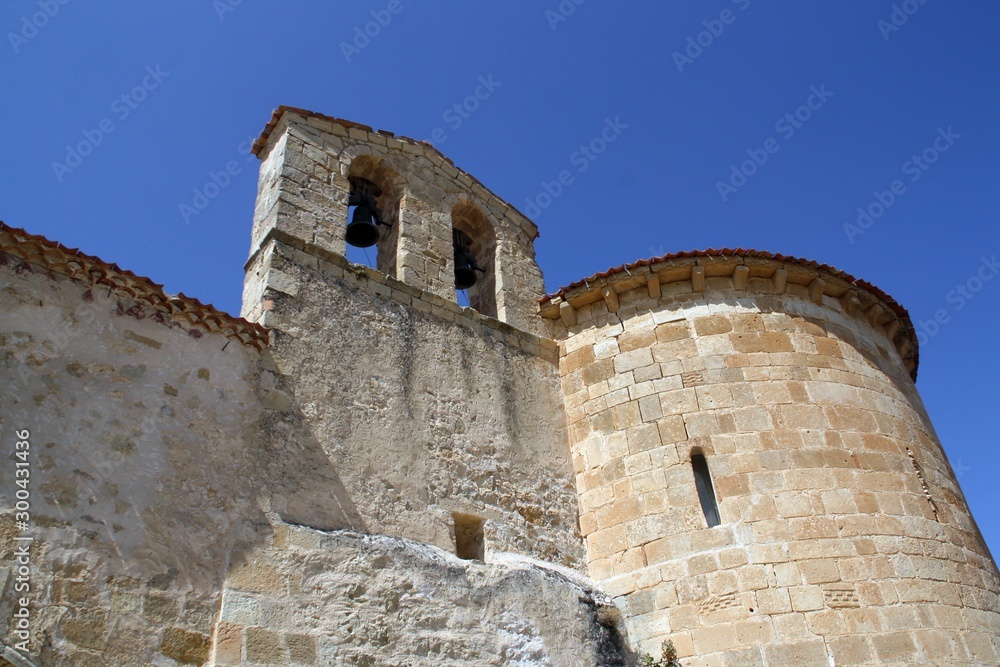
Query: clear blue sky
[(209, 78)]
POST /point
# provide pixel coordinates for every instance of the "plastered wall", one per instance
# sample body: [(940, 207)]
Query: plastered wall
[(140, 471)]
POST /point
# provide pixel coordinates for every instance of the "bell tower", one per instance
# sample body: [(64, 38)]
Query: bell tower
[(326, 182), (438, 423), (411, 444)]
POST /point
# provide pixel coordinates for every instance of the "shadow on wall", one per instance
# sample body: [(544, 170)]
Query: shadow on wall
[(298, 477)]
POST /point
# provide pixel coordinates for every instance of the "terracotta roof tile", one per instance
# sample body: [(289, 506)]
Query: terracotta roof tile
[(187, 312), (885, 298), (729, 252)]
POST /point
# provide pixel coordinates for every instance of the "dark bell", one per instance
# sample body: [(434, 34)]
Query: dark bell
[(465, 270), (362, 232)]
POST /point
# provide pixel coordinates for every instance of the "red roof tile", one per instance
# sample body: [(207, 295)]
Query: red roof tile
[(184, 311), (755, 254)]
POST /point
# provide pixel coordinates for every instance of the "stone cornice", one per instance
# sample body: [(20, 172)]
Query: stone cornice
[(743, 270)]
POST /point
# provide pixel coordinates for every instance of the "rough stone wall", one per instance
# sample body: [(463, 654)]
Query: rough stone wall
[(844, 536), (394, 411), (166, 462), (139, 458), (398, 409), (303, 192), (197, 501), (202, 501), (346, 598)]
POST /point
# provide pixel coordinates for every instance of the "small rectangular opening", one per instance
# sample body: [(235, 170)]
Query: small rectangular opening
[(470, 543), (706, 492)]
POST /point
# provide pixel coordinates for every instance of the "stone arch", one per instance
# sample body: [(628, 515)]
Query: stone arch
[(387, 180), (469, 219)]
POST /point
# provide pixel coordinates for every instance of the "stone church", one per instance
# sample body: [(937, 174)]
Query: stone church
[(724, 449)]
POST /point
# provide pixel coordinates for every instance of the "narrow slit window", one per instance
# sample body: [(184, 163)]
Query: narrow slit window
[(470, 543), (923, 483), (706, 492)]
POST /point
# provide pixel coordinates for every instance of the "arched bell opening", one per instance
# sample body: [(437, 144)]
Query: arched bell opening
[(474, 244), (372, 229), (364, 214)]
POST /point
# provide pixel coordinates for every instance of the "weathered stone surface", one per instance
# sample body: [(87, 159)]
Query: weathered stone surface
[(393, 601), (815, 436), (137, 495), (200, 501), (401, 417), (190, 648)]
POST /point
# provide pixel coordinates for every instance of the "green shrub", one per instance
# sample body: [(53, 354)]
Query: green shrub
[(668, 657)]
